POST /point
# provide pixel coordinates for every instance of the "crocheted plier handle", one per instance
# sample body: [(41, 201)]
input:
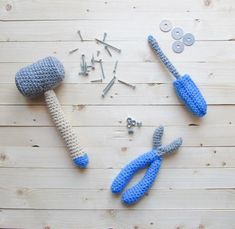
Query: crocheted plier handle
[(152, 160)]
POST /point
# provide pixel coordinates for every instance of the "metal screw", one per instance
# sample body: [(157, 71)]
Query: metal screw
[(80, 35), (109, 85), (108, 51), (115, 67), (110, 46), (72, 51), (131, 132), (127, 84)]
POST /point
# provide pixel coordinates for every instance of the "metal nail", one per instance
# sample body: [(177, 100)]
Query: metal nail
[(80, 35), (115, 67), (109, 85), (127, 84), (110, 46), (72, 51), (108, 51), (97, 81), (102, 69)]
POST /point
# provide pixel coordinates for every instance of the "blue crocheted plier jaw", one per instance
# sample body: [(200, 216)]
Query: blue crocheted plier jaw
[(152, 160)]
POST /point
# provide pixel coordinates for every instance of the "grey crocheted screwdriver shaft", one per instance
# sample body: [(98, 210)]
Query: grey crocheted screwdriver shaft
[(162, 56), (39, 79)]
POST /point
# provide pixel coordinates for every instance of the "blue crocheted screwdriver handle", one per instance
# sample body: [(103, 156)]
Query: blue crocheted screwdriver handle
[(130, 169), (135, 193)]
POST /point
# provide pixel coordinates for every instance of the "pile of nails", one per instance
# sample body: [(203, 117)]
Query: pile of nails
[(177, 34), (131, 123), (86, 68)]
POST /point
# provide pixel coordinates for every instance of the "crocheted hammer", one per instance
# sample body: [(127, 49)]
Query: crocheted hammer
[(41, 78), (152, 160), (184, 86)]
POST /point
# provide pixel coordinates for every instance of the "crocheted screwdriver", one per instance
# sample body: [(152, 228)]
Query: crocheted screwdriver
[(184, 86), (152, 160), (41, 78)]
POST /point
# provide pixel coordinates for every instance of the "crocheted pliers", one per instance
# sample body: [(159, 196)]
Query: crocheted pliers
[(153, 160), (185, 88)]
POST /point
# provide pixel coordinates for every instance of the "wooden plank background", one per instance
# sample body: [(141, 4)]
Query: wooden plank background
[(39, 186)]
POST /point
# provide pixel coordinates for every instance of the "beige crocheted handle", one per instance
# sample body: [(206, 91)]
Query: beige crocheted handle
[(70, 138)]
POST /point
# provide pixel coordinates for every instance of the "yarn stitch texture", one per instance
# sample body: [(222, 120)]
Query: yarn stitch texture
[(40, 78), (184, 86), (152, 160)]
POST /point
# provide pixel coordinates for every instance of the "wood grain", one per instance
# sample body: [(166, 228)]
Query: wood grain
[(39, 186)]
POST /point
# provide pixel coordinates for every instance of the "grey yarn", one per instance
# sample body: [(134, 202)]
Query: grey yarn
[(157, 145), (162, 56), (157, 136), (39, 77)]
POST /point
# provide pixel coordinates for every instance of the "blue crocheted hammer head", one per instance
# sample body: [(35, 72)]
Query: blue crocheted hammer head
[(39, 77)]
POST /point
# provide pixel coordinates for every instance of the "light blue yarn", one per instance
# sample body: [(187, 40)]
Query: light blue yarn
[(39, 77), (81, 161), (184, 86), (189, 93), (152, 159)]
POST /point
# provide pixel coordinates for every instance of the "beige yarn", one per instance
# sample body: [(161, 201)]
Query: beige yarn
[(62, 124)]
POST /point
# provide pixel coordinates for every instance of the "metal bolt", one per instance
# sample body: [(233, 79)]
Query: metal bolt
[(127, 84), (83, 67), (110, 46), (80, 35), (109, 85)]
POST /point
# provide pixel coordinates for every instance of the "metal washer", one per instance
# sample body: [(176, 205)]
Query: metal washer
[(178, 47), (177, 33), (165, 26), (188, 39)]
